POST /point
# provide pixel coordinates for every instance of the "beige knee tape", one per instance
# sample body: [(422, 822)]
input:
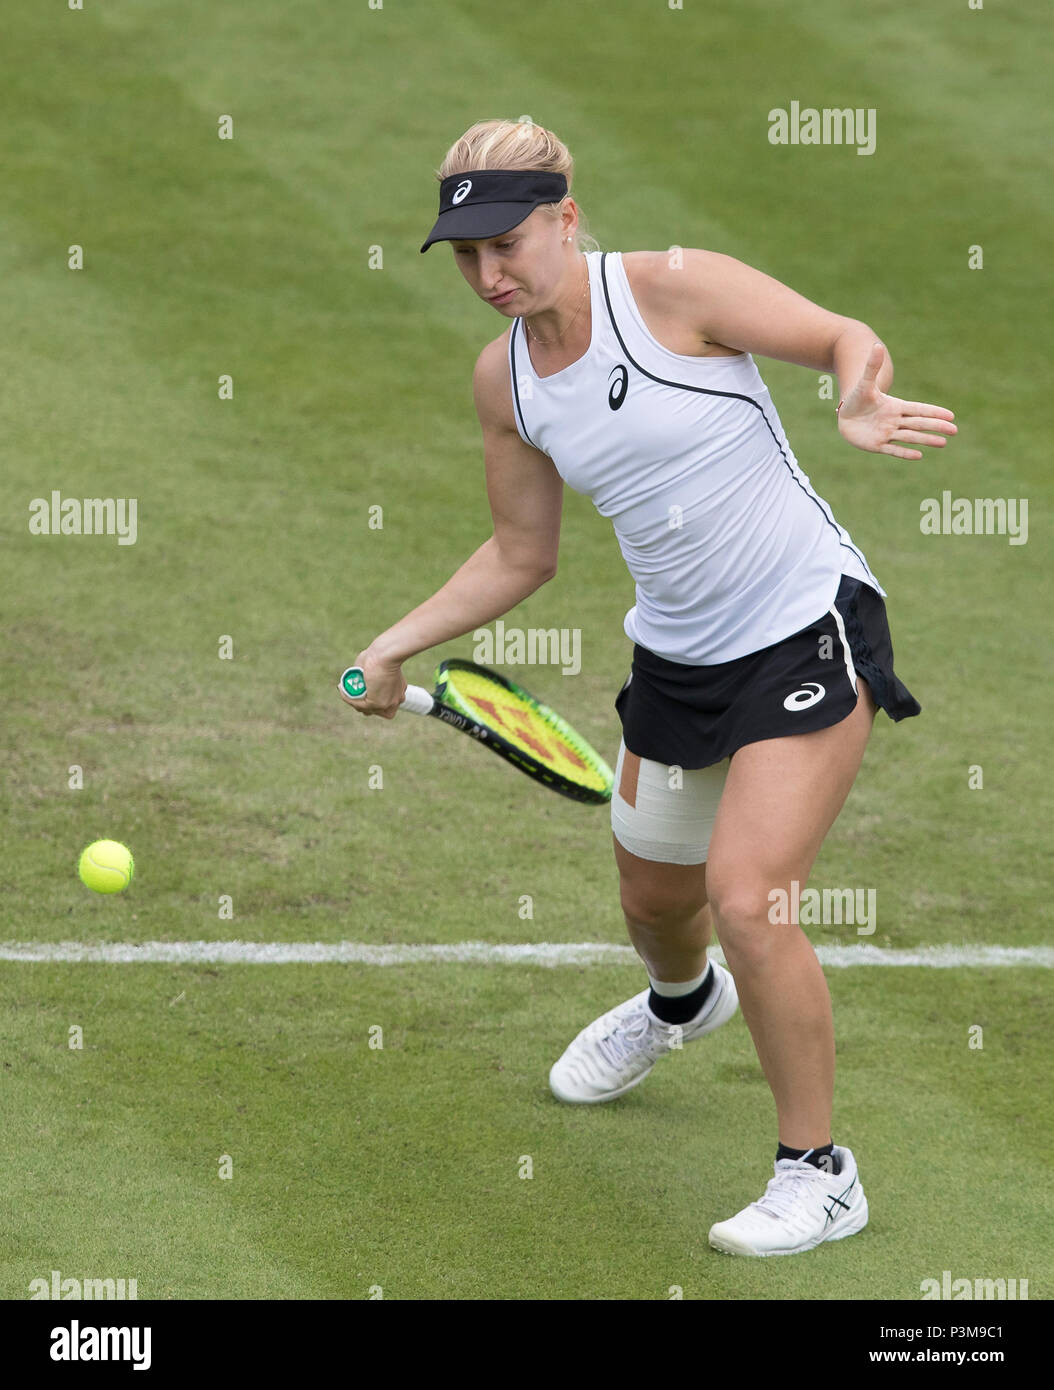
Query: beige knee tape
[(665, 813)]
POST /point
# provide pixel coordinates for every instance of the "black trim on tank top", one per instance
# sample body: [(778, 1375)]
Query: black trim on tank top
[(730, 395), (516, 386)]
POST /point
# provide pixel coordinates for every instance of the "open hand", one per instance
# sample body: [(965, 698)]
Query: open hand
[(871, 420)]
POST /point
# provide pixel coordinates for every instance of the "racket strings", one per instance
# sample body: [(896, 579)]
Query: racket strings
[(538, 732)]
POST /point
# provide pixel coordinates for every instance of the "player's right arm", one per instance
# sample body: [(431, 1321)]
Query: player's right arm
[(526, 499)]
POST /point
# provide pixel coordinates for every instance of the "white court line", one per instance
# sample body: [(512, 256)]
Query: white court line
[(478, 952)]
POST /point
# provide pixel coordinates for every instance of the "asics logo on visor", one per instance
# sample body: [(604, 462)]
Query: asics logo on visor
[(462, 191), (802, 699)]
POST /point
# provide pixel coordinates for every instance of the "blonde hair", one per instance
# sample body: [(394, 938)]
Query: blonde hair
[(521, 144)]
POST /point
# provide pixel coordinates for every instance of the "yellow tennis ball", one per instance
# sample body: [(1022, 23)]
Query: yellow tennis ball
[(106, 867)]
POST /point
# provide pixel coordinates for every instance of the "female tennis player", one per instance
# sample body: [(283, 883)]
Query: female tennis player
[(761, 646)]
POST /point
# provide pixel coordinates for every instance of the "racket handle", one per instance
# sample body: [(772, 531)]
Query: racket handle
[(417, 700)]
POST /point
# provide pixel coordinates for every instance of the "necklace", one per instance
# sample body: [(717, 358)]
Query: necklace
[(559, 336)]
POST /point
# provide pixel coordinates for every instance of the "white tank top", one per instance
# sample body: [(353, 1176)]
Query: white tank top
[(730, 547)]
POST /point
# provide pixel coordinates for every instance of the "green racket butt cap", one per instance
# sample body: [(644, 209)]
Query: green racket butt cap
[(353, 682)]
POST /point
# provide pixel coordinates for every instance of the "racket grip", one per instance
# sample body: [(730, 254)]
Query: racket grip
[(416, 700)]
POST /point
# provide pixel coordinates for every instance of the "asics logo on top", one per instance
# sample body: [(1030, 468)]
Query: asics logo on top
[(617, 393), (462, 191), (802, 699)]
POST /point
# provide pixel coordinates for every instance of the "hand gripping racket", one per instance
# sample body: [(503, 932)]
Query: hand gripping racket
[(503, 716)]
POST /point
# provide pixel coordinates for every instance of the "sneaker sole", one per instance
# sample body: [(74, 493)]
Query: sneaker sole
[(853, 1224), (598, 1100)]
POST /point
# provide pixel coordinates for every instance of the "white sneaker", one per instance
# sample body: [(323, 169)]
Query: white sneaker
[(618, 1050), (802, 1207)]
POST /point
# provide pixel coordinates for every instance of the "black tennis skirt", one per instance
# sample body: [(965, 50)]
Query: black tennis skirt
[(695, 716)]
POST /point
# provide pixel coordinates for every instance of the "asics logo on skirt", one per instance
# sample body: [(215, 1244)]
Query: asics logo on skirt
[(810, 694)]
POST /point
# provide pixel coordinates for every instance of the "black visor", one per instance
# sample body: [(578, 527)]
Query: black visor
[(486, 202)]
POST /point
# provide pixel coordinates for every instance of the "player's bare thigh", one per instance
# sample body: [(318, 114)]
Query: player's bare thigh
[(780, 799)]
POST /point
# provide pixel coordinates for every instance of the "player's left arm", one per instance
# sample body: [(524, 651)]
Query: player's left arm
[(742, 308)]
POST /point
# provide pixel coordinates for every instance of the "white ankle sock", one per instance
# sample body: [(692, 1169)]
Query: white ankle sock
[(675, 991)]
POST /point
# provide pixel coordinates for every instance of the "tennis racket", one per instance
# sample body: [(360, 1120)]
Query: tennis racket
[(503, 716)]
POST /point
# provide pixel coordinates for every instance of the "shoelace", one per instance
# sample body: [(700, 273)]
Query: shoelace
[(617, 1045), (784, 1190)]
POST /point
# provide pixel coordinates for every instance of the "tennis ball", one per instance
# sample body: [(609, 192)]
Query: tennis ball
[(106, 867)]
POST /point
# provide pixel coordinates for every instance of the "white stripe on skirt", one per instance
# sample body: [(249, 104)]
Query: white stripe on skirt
[(849, 667)]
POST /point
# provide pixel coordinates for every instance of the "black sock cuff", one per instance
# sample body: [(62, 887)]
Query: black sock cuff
[(814, 1155), (683, 1008)]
